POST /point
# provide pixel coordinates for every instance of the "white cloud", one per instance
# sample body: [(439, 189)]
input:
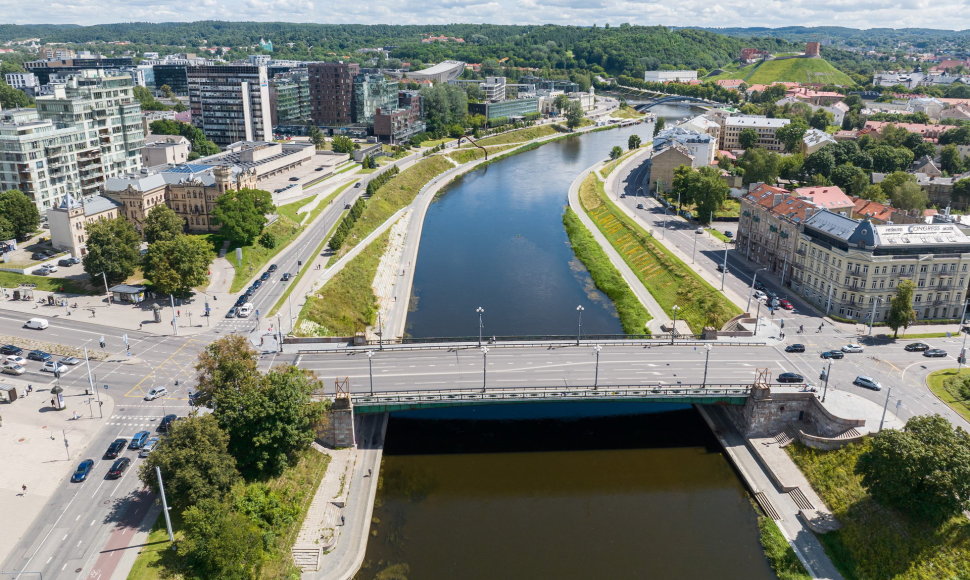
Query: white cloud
[(951, 14)]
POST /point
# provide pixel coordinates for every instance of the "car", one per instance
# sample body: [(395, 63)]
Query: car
[(82, 471), (720, 267), (867, 382), (319, 169), (256, 284), (639, 206), (790, 378), (11, 349), (760, 286), (155, 393), (138, 440), (38, 256), (148, 447), (16, 359), (70, 360), (699, 231), (833, 354), (118, 468), (52, 367), (853, 347), (286, 276), (294, 179), (166, 423), (245, 310), (48, 268), (10, 368), (37, 323), (771, 294), (795, 348), (68, 261), (916, 347), (272, 268), (39, 355), (231, 313), (264, 277), (759, 295), (728, 234), (116, 447), (935, 352), (786, 304)]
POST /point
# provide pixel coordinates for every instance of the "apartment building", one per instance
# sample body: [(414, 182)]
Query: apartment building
[(769, 226), (332, 92), (231, 103), (765, 127), (70, 219), (372, 92), (401, 123), (289, 95), (668, 76)]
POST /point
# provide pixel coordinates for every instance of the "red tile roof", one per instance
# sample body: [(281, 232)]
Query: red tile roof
[(830, 197)]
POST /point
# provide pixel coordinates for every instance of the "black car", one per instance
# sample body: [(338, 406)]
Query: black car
[(790, 378), (286, 276), (720, 267), (264, 277), (118, 467), (242, 300), (116, 447), (795, 348), (272, 268), (760, 286), (38, 256), (917, 346), (833, 354), (39, 355), (166, 423), (82, 471), (935, 352), (256, 285), (11, 349)]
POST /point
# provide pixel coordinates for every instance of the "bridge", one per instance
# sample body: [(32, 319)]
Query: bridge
[(675, 99)]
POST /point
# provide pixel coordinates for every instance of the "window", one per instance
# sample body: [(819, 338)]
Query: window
[(918, 299), (894, 270)]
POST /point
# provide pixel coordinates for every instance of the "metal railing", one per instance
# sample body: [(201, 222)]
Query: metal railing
[(656, 340)]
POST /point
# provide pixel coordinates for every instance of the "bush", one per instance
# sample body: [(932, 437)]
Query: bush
[(267, 240)]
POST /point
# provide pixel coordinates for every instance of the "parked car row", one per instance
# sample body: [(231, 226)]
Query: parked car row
[(15, 364), (143, 442), (243, 307)]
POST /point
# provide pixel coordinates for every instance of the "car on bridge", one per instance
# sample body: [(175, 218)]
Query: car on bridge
[(790, 378), (916, 347), (82, 471), (795, 348), (116, 447), (853, 347), (935, 352), (867, 382), (833, 354)]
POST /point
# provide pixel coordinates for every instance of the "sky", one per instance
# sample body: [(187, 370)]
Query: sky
[(944, 14)]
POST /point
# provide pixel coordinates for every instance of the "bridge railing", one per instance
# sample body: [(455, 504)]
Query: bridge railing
[(453, 343)]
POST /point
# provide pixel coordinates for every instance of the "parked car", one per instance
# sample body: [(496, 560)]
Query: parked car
[(699, 231), (917, 347), (48, 269), (833, 354), (16, 359), (38, 256), (294, 179), (38, 355), (245, 310), (148, 447), (639, 206), (795, 348), (166, 423), (68, 261), (231, 313), (358, 184), (760, 286), (138, 439), (759, 295), (10, 368), (720, 267), (156, 393), (786, 304), (70, 360), (82, 471), (286, 276), (116, 447), (790, 378), (935, 352), (52, 367), (118, 468), (256, 285), (728, 234), (11, 349), (867, 382), (853, 347)]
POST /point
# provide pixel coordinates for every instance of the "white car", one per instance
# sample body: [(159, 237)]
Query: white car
[(17, 360), (853, 348), (156, 393), (48, 268), (148, 447), (52, 367)]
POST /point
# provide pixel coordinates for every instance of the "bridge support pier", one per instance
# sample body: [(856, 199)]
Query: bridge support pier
[(341, 430)]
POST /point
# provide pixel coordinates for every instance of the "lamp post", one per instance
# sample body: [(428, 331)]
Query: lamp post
[(872, 313), (751, 290), (579, 328), (484, 365), (694, 251), (481, 324), (825, 377), (596, 374), (724, 266), (889, 391), (673, 329), (107, 294), (370, 370), (663, 233), (707, 358)]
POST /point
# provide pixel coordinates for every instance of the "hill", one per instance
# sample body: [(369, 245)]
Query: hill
[(799, 70)]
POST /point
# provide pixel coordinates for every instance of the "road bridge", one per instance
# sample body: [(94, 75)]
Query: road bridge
[(675, 99)]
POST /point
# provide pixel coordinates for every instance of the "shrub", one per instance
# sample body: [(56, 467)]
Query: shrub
[(267, 240)]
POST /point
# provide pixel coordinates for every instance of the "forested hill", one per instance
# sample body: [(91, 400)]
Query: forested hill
[(881, 38), (623, 49)]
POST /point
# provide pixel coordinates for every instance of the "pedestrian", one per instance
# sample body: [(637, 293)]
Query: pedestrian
[(820, 327), (341, 517), (52, 402), (24, 487), (368, 472), (801, 328), (140, 325)]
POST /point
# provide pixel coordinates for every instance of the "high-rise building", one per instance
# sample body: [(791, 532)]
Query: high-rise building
[(372, 92), (174, 76), (332, 92), (289, 94), (230, 103)]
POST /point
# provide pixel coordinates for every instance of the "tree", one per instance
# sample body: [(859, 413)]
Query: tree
[(574, 114), (887, 159), (760, 165), (822, 162), (659, 126), (561, 102), (791, 134), (162, 224), (176, 266), (343, 144), (195, 462), (790, 166), (633, 142), (147, 100), (820, 119), (20, 211), (7, 231), (241, 214), (923, 470), (316, 135), (850, 178), (961, 189), (909, 196), (11, 98), (874, 193), (113, 249), (167, 91), (221, 543), (702, 188), (748, 138), (201, 145), (950, 160), (227, 364), (616, 152), (901, 313)]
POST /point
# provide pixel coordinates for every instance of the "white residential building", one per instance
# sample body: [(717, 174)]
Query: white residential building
[(668, 76), (21, 80), (763, 126)]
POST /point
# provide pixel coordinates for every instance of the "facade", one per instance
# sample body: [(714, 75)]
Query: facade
[(372, 92), (332, 92), (663, 165), (765, 127), (670, 76), (401, 123), (68, 221), (814, 139), (289, 95), (701, 146), (442, 72), (231, 103), (46, 69), (813, 49), (175, 76), (851, 268), (22, 81), (769, 226), (505, 109), (166, 150), (494, 88)]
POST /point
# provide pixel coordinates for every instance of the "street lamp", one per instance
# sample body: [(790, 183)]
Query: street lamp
[(693, 252), (481, 324), (751, 290), (579, 329), (889, 391), (673, 329), (107, 294), (872, 313), (825, 377), (724, 266), (484, 365), (596, 375), (707, 357), (370, 370)]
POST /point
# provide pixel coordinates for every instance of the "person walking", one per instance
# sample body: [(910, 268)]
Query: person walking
[(24, 488)]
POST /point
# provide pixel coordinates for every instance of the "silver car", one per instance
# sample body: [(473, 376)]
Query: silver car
[(148, 447), (867, 383)]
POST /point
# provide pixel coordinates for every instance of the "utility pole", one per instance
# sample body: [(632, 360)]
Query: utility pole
[(161, 489), (596, 375), (87, 363), (724, 266), (707, 357), (175, 320), (884, 407), (825, 377)]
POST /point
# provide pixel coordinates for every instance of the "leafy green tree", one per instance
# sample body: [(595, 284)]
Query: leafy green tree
[(147, 100), (221, 543), (616, 152), (659, 126), (195, 463), (887, 159), (7, 231), (113, 249), (227, 364), (822, 162), (574, 114), (791, 134), (316, 135), (895, 179), (850, 178), (956, 136), (176, 266), (820, 119), (901, 313), (702, 188), (961, 189), (343, 144), (950, 160), (201, 145), (790, 166), (748, 138), (923, 470), (561, 102), (633, 142), (167, 91), (874, 193), (20, 211), (909, 196), (443, 105), (241, 214), (11, 98), (162, 224), (760, 165)]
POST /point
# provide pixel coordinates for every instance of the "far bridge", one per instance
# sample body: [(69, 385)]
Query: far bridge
[(676, 99)]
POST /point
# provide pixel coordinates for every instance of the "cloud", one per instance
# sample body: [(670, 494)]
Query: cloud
[(951, 14)]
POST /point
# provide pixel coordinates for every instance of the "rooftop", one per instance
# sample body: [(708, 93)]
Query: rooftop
[(755, 122), (826, 197)]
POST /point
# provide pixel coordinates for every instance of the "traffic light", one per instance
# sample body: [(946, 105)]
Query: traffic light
[(823, 375)]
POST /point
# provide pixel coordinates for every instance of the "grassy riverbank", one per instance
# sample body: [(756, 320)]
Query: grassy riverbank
[(669, 280), (518, 136), (875, 541), (779, 552), (633, 315), (950, 396)]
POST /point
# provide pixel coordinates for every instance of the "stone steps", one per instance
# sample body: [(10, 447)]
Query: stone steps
[(766, 505), (800, 500)]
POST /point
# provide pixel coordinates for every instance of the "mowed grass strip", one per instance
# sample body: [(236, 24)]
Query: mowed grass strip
[(518, 136), (666, 277), (255, 256), (950, 396)]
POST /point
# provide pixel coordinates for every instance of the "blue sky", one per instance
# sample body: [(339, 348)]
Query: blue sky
[(950, 14)]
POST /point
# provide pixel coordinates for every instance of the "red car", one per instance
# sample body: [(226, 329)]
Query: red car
[(784, 303)]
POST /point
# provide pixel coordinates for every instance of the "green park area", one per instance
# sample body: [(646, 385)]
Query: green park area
[(11, 280), (951, 387), (796, 70)]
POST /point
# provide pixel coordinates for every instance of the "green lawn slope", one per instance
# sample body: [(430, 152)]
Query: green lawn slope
[(799, 70)]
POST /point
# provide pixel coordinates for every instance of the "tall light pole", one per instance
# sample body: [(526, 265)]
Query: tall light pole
[(97, 394), (484, 365), (596, 374), (724, 266), (693, 252), (663, 233), (884, 407), (175, 320), (107, 294), (751, 290), (481, 324), (872, 313), (825, 377), (370, 370), (579, 329), (673, 329), (707, 358)]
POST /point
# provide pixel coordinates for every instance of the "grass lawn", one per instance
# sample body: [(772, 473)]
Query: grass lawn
[(877, 542), (949, 396), (436, 142), (627, 112), (719, 235), (10, 281), (609, 167), (925, 335), (669, 280), (346, 304), (255, 256), (779, 552), (518, 136), (800, 70)]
